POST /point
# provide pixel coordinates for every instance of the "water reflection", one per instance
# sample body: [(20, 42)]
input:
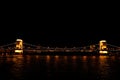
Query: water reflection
[(103, 67), (18, 67), (47, 59), (84, 63), (74, 62), (24, 67), (56, 62), (27, 59), (65, 59)]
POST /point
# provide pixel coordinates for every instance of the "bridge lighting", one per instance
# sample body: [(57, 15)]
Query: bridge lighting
[(19, 46), (103, 47), (103, 52)]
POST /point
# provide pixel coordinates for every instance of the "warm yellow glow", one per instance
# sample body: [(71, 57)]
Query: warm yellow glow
[(18, 51), (19, 44), (74, 57), (84, 58), (56, 56), (103, 52), (48, 58), (103, 47)]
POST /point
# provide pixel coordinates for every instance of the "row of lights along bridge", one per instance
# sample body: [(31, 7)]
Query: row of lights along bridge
[(19, 47)]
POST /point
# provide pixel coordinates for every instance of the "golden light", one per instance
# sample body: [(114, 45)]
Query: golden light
[(103, 52), (19, 46), (18, 51), (103, 47)]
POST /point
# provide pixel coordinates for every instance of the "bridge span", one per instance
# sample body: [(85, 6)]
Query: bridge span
[(20, 47)]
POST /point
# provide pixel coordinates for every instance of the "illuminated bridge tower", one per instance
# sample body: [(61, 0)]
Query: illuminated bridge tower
[(103, 47), (19, 46)]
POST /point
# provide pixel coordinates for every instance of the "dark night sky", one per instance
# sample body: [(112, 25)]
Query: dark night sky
[(60, 26)]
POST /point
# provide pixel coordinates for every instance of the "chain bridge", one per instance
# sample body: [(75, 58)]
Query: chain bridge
[(21, 47)]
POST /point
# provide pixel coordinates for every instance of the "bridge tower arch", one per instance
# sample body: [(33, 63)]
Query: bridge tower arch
[(103, 47), (19, 46)]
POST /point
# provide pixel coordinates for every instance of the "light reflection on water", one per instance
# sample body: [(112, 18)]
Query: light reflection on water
[(23, 67)]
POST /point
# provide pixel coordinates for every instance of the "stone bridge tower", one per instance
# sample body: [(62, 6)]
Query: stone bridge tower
[(19, 46), (103, 47)]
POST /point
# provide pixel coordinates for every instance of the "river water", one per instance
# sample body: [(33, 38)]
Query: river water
[(56, 67)]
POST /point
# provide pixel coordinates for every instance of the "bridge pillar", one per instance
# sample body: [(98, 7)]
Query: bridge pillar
[(103, 47), (19, 46)]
